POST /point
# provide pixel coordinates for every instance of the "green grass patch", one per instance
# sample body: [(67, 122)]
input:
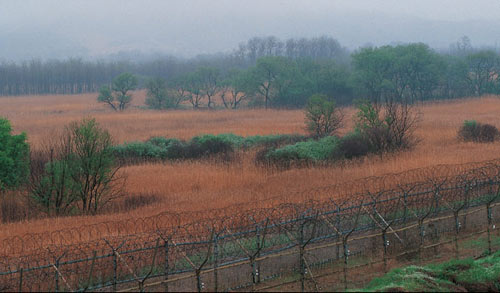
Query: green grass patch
[(455, 275), (481, 242)]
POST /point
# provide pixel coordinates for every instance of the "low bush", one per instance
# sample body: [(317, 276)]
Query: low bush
[(139, 150), (306, 151), (202, 146), (175, 150), (330, 148), (11, 209), (354, 145), (276, 140), (478, 132), (209, 145), (388, 127), (240, 142), (162, 142)]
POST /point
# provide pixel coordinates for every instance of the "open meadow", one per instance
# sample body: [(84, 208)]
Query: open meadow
[(191, 147), (197, 186)]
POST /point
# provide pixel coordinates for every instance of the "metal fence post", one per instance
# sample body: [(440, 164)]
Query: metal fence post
[(422, 234), (21, 280), (490, 217), (57, 276), (346, 257), (386, 243), (457, 230), (199, 285), (301, 258), (115, 270), (435, 236), (216, 257), (258, 252), (405, 213), (166, 265)]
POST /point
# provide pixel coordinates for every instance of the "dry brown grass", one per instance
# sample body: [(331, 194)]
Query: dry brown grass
[(201, 185), (42, 116)]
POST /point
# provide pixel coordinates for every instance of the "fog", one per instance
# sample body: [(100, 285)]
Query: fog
[(96, 29)]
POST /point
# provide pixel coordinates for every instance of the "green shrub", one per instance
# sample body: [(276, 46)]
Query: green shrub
[(55, 192), (307, 151), (158, 148), (175, 150), (207, 145), (271, 140), (222, 145), (139, 150), (14, 157), (162, 142), (330, 148), (236, 141)]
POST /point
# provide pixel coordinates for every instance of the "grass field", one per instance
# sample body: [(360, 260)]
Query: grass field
[(202, 185)]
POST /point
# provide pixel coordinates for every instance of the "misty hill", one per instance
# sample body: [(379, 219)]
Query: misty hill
[(223, 34)]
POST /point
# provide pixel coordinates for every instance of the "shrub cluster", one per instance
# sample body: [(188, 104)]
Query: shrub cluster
[(330, 148), (160, 148), (478, 132), (203, 146), (353, 145), (388, 127), (311, 150)]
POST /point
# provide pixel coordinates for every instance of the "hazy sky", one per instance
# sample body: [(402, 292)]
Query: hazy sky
[(57, 29)]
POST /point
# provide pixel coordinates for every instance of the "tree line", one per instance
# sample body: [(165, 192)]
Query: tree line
[(410, 73), (268, 72)]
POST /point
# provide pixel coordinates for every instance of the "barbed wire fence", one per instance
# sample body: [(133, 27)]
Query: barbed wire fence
[(371, 222)]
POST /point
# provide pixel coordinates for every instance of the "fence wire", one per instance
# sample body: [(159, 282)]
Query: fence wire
[(377, 218)]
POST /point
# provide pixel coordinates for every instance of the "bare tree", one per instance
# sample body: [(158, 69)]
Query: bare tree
[(402, 119), (388, 126)]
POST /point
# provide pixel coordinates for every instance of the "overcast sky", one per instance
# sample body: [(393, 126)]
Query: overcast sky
[(58, 29)]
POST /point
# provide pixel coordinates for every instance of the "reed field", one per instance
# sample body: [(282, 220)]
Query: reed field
[(201, 185)]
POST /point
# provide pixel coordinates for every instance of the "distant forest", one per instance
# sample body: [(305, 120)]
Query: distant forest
[(274, 73)]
